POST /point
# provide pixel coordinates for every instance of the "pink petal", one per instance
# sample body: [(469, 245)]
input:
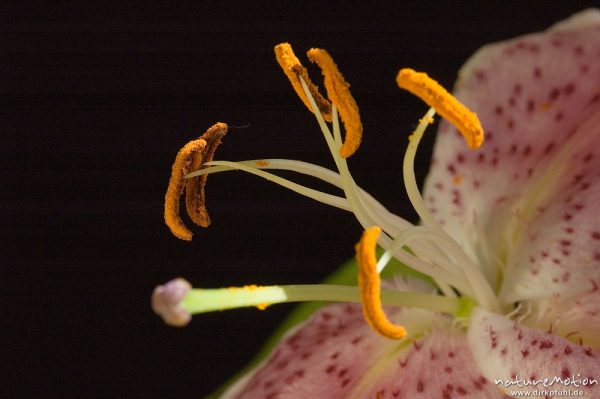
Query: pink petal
[(505, 350), (440, 365), (577, 317), (323, 358), (538, 97), (336, 355)]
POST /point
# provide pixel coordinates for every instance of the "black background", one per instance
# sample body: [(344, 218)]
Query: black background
[(96, 100)]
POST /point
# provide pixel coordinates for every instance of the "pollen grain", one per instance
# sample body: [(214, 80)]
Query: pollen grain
[(369, 284), (445, 104), (262, 306), (262, 163)]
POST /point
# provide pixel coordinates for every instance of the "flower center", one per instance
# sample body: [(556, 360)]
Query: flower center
[(426, 248)]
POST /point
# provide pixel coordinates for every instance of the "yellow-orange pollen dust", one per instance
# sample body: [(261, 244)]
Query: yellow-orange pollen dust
[(369, 284), (444, 103), (250, 288), (190, 158), (338, 91), (469, 126)]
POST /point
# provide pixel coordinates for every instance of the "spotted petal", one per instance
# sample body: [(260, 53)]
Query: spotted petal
[(336, 355), (526, 205), (507, 352), (325, 357), (438, 366)]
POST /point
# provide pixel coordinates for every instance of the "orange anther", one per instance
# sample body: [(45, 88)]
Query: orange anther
[(444, 103), (338, 92), (293, 69), (191, 157), (369, 284)]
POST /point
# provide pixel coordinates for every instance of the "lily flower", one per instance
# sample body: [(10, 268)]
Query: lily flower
[(509, 235)]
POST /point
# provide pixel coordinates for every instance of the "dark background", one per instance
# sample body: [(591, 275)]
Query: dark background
[(96, 100)]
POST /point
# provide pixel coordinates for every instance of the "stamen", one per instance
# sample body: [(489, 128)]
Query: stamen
[(329, 199), (339, 93), (408, 171), (368, 212), (195, 198), (444, 103), (180, 168), (293, 70), (441, 269), (390, 222), (394, 225), (191, 156), (369, 284), (481, 287), (363, 214), (458, 270)]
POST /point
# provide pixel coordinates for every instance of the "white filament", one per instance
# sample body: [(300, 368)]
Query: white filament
[(408, 170), (433, 251), (362, 214)]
